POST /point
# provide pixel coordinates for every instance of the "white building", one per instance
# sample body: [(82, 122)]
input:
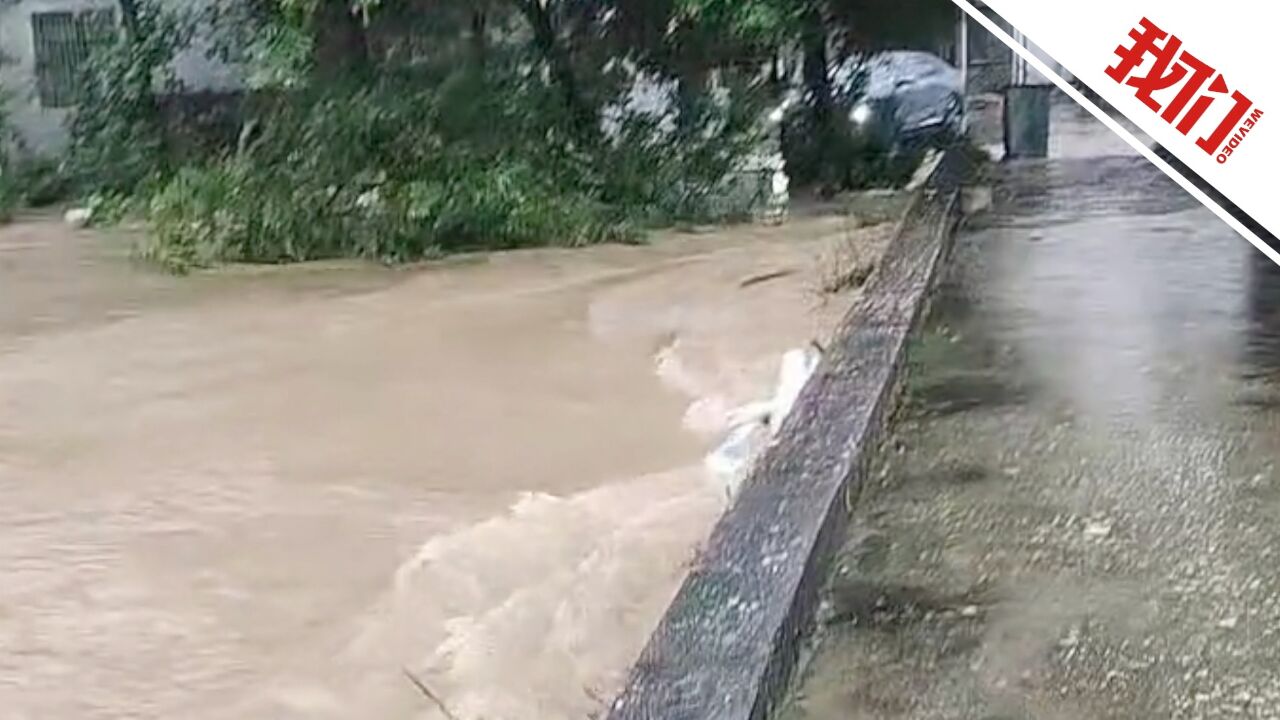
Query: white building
[(990, 66), (43, 47)]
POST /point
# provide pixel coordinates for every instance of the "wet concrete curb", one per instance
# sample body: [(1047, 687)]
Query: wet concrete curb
[(727, 646)]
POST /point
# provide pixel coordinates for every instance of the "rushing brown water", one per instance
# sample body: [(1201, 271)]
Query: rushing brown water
[(272, 493)]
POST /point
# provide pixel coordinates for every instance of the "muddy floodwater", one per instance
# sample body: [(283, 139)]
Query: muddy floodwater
[(274, 493)]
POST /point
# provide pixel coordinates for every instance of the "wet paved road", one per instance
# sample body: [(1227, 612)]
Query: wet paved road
[(1077, 518)]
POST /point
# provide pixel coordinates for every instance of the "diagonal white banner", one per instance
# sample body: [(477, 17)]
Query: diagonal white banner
[(1199, 81)]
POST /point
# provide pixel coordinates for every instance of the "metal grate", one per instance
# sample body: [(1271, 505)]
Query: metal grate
[(63, 42)]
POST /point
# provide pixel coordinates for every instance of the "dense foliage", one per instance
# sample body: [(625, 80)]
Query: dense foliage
[(401, 129), (9, 197), (117, 133), (397, 169)]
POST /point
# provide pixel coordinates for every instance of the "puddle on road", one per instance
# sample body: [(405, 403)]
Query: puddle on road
[(269, 493)]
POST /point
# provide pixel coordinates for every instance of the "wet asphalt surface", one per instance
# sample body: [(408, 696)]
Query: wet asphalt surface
[(1078, 514)]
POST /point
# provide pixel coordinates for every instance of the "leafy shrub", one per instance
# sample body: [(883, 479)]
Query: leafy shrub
[(270, 54), (25, 179), (408, 168), (656, 178), (8, 197), (43, 180), (117, 134), (189, 228), (403, 162), (8, 184), (504, 206), (231, 211)]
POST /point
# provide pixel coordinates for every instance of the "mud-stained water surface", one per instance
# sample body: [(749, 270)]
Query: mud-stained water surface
[(272, 493), (1076, 518)]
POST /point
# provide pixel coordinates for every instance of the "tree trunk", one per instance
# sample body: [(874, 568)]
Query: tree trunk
[(479, 39), (341, 47), (129, 16), (828, 160), (557, 58), (692, 86), (817, 77)]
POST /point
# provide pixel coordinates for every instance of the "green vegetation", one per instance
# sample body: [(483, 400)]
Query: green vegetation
[(117, 132), (403, 129), (8, 187), (8, 200), (396, 170)]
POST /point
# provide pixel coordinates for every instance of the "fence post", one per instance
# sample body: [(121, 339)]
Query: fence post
[(962, 59)]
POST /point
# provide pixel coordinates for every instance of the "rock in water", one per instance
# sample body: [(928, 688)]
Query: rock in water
[(78, 217)]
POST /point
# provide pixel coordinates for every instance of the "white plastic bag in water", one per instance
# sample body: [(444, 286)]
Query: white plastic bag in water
[(751, 426)]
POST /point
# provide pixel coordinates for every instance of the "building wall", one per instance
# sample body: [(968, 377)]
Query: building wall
[(43, 131), (991, 62)]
